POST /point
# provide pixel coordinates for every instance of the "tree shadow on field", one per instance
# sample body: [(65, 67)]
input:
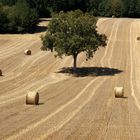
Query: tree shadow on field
[(40, 29), (90, 71)]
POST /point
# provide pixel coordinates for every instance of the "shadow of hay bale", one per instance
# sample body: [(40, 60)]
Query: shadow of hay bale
[(40, 29), (90, 71), (1, 72), (138, 38)]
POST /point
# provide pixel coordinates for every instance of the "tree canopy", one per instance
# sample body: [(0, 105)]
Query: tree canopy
[(72, 33)]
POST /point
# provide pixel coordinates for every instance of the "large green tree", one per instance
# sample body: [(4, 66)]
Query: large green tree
[(72, 33)]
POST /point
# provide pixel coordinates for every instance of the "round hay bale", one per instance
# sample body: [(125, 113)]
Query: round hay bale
[(0, 72), (138, 38), (27, 52), (32, 98), (119, 92)]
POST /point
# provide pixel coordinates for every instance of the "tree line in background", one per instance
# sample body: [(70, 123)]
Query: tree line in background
[(17, 17), (22, 15)]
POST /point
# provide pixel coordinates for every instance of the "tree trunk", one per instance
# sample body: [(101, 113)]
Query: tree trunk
[(74, 63)]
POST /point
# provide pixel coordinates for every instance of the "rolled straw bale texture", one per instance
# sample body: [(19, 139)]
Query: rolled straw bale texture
[(119, 92), (32, 98), (0, 72), (27, 52)]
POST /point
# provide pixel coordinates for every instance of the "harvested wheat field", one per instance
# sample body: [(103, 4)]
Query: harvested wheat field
[(81, 107)]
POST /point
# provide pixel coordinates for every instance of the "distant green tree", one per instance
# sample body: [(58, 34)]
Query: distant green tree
[(138, 8), (104, 7), (56, 5), (22, 18), (126, 5), (41, 6), (132, 12), (116, 8), (3, 19), (111, 7), (8, 2), (70, 5), (92, 6), (81, 4), (72, 33)]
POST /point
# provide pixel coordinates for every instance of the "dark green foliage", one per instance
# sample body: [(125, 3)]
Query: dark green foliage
[(8, 2), (93, 6), (41, 6), (3, 20), (18, 18), (22, 15), (138, 8), (126, 4), (71, 33), (134, 8), (119, 8), (46, 7), (131, 8), (111, 8)]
